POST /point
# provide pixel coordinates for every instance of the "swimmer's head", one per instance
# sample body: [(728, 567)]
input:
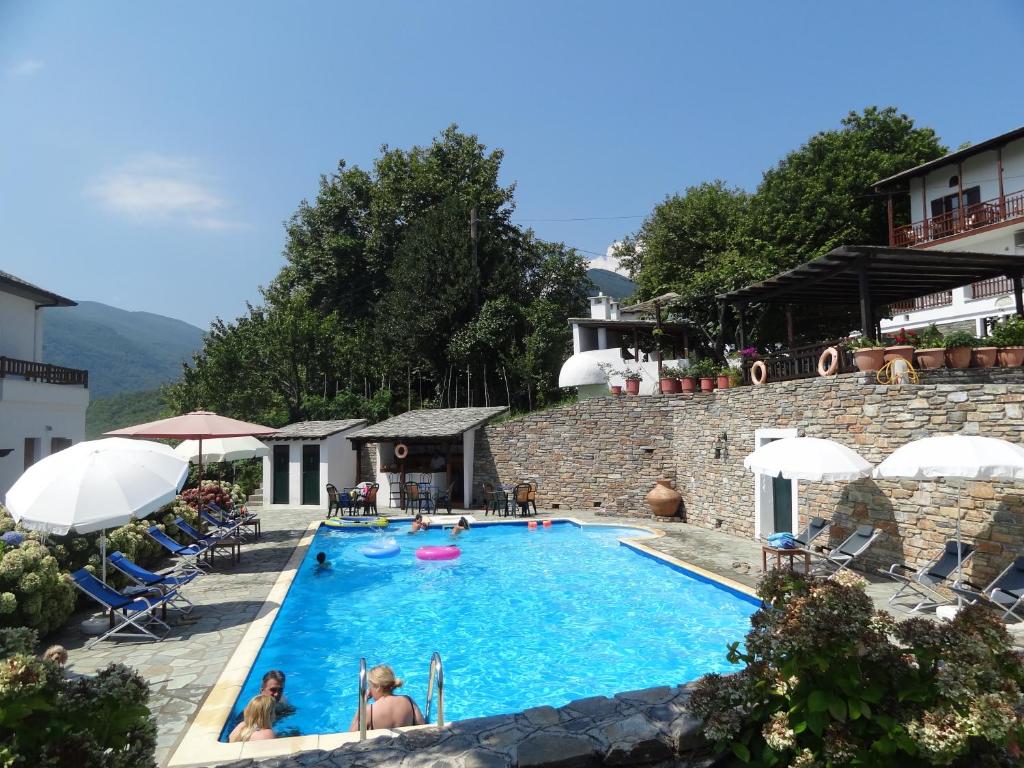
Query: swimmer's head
[(321, 557)]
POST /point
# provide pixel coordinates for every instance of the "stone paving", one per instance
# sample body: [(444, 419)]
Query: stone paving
[(183, 668)]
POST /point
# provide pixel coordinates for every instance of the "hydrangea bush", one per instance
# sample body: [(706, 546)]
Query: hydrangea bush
[(49, 721), (34, 592), (828, 681)]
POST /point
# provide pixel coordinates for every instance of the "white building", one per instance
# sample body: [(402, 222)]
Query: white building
[(304, 457), (970, 200), (42, 407), (608, 343)]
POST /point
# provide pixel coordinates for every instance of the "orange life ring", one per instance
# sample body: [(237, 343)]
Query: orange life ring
[(759, 378), (401, 451), (833, 366)]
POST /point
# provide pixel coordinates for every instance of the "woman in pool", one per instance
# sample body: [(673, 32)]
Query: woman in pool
[(257, 720), (460, 527), (419, 524), (387, 709)]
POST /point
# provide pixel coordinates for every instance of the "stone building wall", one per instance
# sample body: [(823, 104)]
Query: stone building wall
[(608, 452)]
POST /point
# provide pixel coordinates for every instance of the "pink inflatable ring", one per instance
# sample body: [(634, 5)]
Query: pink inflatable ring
[(438, 553)]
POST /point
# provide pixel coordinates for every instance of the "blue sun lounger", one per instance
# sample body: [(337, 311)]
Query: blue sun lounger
[(212, 542), (135, 613), (189, 554), (166, 582)]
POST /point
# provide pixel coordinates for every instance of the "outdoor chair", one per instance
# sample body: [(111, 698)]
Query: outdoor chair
[(368, 501), (1005, 593), (332, 500), (165, 582), (496, 500), (223, 526), (413, 499), (445, 497), (815, 527), (212, 542), (840, 558), (941, 570), (521, 495), (533, 494), (346, 503), (133, 612), (189, 554)]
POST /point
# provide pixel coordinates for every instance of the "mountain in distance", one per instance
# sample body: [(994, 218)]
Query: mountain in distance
[(123, 351), (612, 283)]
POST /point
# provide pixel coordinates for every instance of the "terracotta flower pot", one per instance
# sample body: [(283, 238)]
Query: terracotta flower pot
[(632, 386), (1011, 357), (616, 389), (668, 386), (663, 499), (706, 384), (688, 384), (722, 382), (985, 357), (958, 357), (869, 358), (906, 351), (931, 357)]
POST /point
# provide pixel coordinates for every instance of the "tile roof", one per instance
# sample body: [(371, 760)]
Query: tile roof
[(27, 290), (314, 430), (428, 423)]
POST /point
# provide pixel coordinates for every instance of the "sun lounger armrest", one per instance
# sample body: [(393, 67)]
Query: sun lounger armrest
[(900, 567)]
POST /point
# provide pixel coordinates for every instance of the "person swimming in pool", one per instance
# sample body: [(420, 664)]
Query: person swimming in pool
[(419, 524), (460, 527), (387, 709), (322, 563)]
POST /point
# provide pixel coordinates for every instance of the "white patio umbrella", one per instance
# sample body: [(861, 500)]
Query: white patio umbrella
[(95, 485), (807, 458), (222, 449), (967, 457)]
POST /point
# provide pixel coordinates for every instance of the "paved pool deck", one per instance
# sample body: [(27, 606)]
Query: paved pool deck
[(183, 668)]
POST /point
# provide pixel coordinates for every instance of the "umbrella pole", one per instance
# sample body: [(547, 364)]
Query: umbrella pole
[(199, 497), (959, 552), (103, 554)]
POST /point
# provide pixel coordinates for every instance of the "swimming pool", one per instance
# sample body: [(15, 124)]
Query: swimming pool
[(522, 618)]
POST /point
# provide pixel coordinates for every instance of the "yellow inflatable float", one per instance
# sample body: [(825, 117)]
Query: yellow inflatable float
[(355, 525)]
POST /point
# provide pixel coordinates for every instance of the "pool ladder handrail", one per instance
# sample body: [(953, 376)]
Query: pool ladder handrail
[(363, 697), (436, 669)]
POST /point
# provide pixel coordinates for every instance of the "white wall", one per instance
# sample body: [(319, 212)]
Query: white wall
[(337, 466), (468, 447), (20, 336), (27, 409)]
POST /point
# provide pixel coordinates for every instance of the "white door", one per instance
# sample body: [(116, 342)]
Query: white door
[(776, 505)]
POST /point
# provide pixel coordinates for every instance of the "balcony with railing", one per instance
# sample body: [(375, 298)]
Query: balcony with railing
[(960, 222), (43, 372)]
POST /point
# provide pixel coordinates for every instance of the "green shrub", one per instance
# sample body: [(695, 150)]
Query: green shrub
[(829, 681), (1008, 333), (863, 342), (34, 592), (930, 338), (49, 721), (959, 339)]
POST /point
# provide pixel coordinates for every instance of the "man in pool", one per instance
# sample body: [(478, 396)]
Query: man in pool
[(273, 685), (418, 524)]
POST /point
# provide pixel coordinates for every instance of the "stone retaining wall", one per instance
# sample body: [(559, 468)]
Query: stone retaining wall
[(649, 727), (607, 452)]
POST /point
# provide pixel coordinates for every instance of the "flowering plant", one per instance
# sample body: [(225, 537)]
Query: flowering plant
[(902, 337), (829, 681), (747, 353)]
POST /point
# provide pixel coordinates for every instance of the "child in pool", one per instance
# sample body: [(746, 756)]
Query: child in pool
[(460, 527), (321, 562), (419, 524)]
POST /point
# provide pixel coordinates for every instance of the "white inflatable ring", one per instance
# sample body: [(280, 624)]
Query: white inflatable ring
[(759, 372), (401, 451), (380, 550), (832, 354)]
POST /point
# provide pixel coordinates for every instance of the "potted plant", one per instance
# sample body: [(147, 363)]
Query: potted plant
[(687, 379), (735, 377), (986, 354), (723, 379), (1009, 337), (669, 382), (868, 354), (901, 345), (959, 345), (931, 349), (705, 371), (608, 371), (633, 379)]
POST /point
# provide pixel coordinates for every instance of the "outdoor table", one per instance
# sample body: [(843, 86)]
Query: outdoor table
[(779, 553)]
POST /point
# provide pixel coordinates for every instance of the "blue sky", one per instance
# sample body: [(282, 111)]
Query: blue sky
[(151, 151)]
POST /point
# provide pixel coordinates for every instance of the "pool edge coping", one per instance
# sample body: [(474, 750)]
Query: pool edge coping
[(200, 744)]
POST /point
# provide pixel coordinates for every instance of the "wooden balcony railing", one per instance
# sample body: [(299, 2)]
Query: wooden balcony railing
[(996, 286), (963, 220), (44, 372), (800, 362), (931, 301)]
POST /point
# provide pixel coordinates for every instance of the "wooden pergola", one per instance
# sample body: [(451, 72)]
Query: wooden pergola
[(870, 276)]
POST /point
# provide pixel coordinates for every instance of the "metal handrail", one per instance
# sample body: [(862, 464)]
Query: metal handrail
[(363, 695), (436, 668)]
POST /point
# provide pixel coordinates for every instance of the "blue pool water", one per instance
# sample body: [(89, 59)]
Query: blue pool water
[(523, 618)]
